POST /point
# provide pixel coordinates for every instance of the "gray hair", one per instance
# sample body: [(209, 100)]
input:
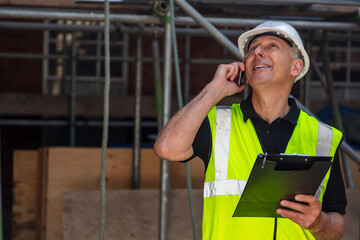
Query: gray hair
[(295, 52)]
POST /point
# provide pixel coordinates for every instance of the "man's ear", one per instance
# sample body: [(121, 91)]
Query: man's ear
[(297, 67)]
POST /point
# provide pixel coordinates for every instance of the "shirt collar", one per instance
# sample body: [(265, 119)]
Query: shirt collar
[(248, 110)]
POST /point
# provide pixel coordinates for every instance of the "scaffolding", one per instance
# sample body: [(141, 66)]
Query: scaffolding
[(152, 25)]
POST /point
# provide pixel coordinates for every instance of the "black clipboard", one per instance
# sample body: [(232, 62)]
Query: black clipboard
[(276, 177)]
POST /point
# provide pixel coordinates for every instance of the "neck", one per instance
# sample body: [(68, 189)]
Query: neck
[(270, 105)]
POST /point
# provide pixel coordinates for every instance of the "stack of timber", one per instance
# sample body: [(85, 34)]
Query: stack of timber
[(41, 178), (56, 196)]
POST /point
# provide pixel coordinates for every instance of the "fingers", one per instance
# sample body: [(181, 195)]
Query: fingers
[(223, 80), (233, 70), (307, 198), (306, 214)]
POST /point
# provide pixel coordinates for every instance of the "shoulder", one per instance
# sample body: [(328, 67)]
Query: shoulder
[(322, 128)]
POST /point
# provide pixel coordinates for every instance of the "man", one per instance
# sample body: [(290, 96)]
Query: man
[(229, 139)]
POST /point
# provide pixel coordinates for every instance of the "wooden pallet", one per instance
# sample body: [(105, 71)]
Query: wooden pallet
[(57, 170)]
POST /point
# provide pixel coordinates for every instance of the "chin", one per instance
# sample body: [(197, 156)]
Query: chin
[(260, 80)]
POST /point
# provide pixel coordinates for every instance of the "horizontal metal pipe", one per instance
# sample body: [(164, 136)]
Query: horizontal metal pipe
[(17, 122), (150, 30), (181, 31), (52, 26), (31, 56), (350, 152), (42, 14), (238, 3), (132, 59), (128, 59), (338, 84), (123, 29), (84, 79)]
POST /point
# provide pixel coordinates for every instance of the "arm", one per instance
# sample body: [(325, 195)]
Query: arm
[(174, 141), (322, 225)]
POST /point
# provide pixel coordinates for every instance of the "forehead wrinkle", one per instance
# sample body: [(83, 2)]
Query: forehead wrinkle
[(267, 38)]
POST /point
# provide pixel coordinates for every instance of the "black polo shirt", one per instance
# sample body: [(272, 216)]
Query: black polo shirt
[(274, 138)]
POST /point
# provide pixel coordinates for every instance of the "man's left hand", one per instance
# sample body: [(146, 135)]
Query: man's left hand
[(307, 216)]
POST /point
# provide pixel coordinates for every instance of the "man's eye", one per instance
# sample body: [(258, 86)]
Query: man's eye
[(273, 45)]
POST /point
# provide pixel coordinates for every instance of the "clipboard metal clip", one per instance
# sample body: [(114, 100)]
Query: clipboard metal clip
[(264, 160)]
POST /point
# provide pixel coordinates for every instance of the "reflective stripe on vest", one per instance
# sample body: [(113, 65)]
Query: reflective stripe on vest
[(223, 186), (323, 147), (222, 141)]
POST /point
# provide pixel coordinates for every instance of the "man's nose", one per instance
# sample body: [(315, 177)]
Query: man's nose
[(259, 50)]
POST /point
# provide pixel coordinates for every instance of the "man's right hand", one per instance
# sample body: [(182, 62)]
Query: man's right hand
[(223, 80)]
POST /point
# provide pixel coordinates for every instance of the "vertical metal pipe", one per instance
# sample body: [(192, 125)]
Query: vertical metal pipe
[(336, 110), (157, 77), (98, 63), (307, 82), (348, 68), (73, 91), (63, 72), (165, 181), (137, 126), (187, 69), (216, 34), (1, 209), (45, 69), (125, 63), (45, 61)]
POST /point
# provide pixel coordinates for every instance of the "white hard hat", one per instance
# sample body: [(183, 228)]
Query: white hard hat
[(277, 28)]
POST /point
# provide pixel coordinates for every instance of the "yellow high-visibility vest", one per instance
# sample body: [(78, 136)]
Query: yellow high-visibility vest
[(235, 148)]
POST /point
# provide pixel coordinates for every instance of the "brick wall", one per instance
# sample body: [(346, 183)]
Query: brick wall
[(20, 75)]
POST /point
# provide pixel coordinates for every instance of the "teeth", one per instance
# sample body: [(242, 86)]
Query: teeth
[(259, 66)]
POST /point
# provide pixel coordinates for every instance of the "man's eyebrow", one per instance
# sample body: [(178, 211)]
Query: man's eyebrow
[(270, 38)]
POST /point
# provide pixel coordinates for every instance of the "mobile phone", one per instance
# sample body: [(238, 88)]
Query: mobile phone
[(240, 79)]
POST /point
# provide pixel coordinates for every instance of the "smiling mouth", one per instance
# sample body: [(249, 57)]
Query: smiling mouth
[(260, 67)]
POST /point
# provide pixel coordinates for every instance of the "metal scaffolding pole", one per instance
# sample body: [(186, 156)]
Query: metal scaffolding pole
[(41, 14), (307, 82), (165, 180), (216, 34), (148, 30), (335, 110), (1, 192), (187, 69), (73, 91), (52, 26), (57, 123), (350, 152), (319, 73), (137, 129), (45, 62), (157, 78)]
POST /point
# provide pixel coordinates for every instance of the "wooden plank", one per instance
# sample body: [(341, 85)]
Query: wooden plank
[(25, 208), (79, 169), (43, 155), (130, 215)]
